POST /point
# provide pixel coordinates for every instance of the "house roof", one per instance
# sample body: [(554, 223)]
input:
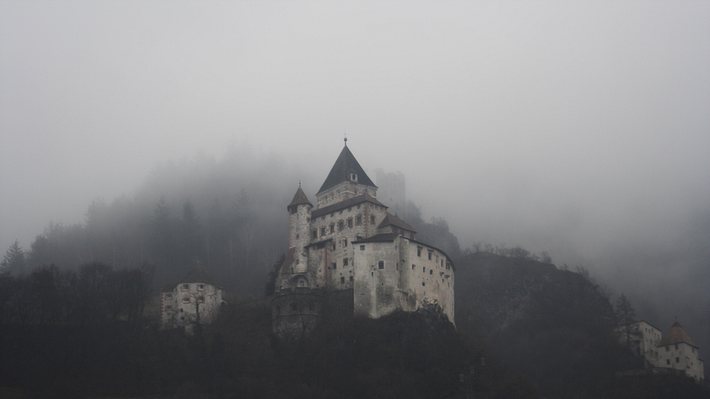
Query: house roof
[(341, 170), (385, 237), (676, 335), (299, 198), (344, 204), (394, 220)]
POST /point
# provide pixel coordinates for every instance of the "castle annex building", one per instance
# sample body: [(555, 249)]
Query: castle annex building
[(348, 246)]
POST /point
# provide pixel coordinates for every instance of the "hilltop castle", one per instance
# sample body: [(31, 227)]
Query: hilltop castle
[(348, 246)]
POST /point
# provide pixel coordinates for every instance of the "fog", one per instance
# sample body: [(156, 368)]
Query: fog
[(580, 128)]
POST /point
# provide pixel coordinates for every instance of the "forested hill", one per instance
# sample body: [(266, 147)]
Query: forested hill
[(553, 327)]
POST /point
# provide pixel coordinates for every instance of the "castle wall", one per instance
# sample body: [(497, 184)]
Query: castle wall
[(429, 275), (376, 279), (401, 275)]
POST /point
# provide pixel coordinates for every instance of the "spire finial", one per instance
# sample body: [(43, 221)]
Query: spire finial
[(299, 184), (345, 137)]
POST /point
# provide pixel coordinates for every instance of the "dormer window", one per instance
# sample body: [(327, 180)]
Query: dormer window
[(353, 177)]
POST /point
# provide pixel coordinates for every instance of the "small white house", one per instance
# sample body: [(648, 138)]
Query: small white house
[(194, 300)]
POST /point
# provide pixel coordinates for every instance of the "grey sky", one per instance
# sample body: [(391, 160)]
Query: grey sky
[(560, 125)]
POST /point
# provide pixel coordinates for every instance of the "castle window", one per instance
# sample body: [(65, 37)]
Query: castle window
[(358, 220), (353, 177), (429, 254), (423, 284), (381, 264), (341, 225), (419, 251), (201, 286), (342, 280), (345, 242), (351, 279), (186, 299), (322, 231), (335, 265), (350, 222), (345, 261), (362, 247), (297, 236), (314, 233), (423, 269), (332, 227), (431, 271), (668, 362), (413, 266)]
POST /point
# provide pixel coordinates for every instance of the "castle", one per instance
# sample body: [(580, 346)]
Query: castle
[(349, 247), (674, 351)]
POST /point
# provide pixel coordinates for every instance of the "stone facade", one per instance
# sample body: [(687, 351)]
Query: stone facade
[(350, 242), (191, 302)]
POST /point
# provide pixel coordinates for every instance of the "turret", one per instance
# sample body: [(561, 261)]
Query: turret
[(299, 211)]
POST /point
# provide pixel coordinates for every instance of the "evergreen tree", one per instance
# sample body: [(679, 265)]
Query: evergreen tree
[(14, 260)]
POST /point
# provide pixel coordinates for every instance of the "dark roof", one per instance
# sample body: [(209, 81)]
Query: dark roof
[(341, 170), (394, 220), (676, 335), (299, 198), (385, 237), (344, 204)]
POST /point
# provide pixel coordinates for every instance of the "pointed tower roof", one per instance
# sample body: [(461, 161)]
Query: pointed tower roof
[(344, 166), (299, 198), (676, 335)]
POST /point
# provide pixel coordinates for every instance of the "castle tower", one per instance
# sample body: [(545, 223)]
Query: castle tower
[(346, 180), (299, 219)]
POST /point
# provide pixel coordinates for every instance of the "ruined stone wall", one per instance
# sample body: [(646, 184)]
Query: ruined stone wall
[(190, 302), (296, 312)]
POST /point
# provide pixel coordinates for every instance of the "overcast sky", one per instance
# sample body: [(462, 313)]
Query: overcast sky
[(559, 125)]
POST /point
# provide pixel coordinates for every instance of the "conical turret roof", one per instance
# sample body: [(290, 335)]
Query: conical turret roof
[(344, 167), (299, 198)]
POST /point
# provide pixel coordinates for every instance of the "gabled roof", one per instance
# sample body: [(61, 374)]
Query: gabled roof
[(394, 220), (341, 170), (384, 237), (299, 198), (676, 335)]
